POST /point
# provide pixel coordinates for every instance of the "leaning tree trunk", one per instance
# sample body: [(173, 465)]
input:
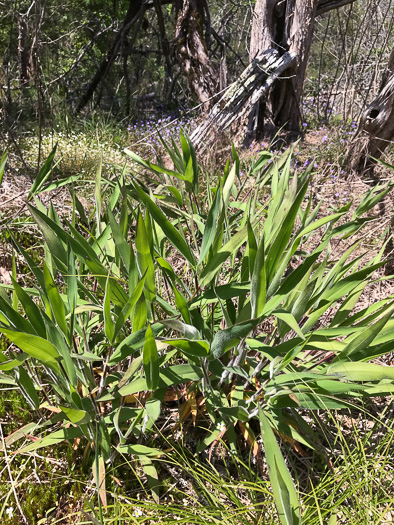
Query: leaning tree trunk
[(280, 42), (288, 27), (376, 128), (190, 46), (239, 99)]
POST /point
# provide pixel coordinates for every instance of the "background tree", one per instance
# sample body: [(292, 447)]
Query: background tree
[(145, 55), (191, 44)]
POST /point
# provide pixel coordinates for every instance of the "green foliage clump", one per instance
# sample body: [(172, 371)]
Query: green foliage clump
[(237, 302)]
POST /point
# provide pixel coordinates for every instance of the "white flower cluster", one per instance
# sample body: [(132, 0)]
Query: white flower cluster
[(137, 512), (77, 153)]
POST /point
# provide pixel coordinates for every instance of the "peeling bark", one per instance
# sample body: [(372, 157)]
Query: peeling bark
[(376, 127), (242, 95), (285, 25)]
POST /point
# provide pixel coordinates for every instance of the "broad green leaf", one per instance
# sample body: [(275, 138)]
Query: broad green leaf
[(108, 321), (15, 300), (228, 186), (72, 282), (140, 314), (252, 247), (348, 305), (57, 339), (216, 262), (97, 195), (258, 285), (35, 346), (51, 234), (181, 304), (27, 387), (170, 231), (370, 200), (7, 380), (357, 349), (288, 318), (152, 476), (178, 197), (348, 284), (337, 291), (98, 470), (285, 495), (310, 401), (194, 348), (37, 272), (52, 439), (120, 241), (132, 343), (174, 375), (18, 434), (360, 371), (150, 360), (189, 176), (42, 175), (12, 363), (333, 519), (226, 339), (60, 183), (210, 226), (152, 407), (140, 450), (224, 292), (31, 309), (56, 301), (78, 417), (187, 330), (154, 167), (124, 314), (235, 413), (277, 249), (144, 259), (3, 162), (13, 318), (319, 223)]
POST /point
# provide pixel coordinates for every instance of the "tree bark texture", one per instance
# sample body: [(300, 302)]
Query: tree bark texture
[(190, 46), (285, 25), (23, 56), (376, 127), (242, 95)]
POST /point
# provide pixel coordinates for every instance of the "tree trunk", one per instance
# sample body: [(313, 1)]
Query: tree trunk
[(242, 95), (135, 11), (376, 128), (288, 27), (191, 50), (23, 56), (285, 25)]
